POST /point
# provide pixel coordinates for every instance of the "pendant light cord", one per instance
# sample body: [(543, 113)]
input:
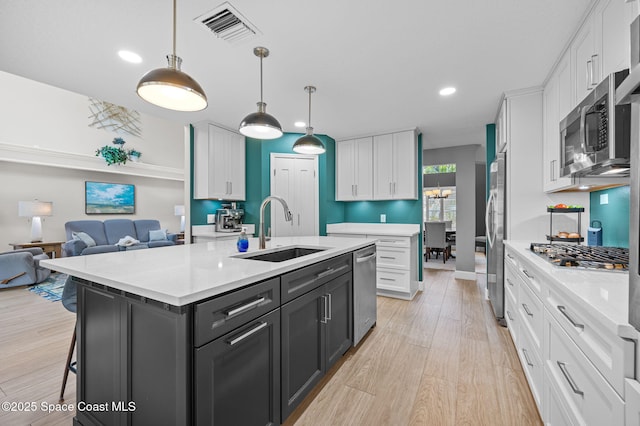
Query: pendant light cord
[(309, 108), (261, 57), (174, 27)]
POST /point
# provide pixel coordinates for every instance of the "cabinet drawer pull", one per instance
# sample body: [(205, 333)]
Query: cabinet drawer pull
[(509, 256), (526, 357), (565, 372), (526, 309), (330, 271), (509, 315), (509, 282), (243, 336), (388, 241), (563, 311), (386, 279), (387, 257), (524, 271), (244, 308)]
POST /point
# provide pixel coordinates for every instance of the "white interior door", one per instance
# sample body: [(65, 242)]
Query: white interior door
[(294, 178)]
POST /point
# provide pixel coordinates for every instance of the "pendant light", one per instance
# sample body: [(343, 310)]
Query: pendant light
[(260, 125), (309, 144), (171, 88)]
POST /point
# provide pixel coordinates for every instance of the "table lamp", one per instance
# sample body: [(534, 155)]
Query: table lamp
[(35, 210), (179, 211)]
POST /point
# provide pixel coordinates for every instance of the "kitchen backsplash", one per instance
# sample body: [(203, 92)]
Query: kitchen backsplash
[(611, 208)]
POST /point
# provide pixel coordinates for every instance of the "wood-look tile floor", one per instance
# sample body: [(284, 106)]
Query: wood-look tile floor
[(438, 360)]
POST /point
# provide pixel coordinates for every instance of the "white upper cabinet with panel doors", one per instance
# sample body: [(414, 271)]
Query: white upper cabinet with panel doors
[(395, 166), (218, 163), (354, 169), (601, 45)]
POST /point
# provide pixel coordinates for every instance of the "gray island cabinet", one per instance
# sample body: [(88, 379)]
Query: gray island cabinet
[(246, 353)]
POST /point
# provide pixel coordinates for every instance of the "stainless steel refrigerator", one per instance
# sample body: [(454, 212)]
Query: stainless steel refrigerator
[(495, 224)]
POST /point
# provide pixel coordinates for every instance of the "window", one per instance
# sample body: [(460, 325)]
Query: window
[(440, 208)]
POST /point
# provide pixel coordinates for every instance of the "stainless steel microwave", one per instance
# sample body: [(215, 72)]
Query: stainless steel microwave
[(594, 137)]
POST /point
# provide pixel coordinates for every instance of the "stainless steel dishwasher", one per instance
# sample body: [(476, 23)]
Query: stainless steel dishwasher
[(364, 292)]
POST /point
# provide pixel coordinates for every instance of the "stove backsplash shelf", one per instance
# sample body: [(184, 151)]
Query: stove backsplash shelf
[(551, 238)]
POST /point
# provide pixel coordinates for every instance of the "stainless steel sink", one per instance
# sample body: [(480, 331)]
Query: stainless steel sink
[(280, 255)]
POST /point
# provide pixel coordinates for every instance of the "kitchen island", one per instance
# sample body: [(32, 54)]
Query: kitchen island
[(195, 334)]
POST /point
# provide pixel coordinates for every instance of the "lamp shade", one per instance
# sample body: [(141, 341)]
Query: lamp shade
[(309, 144), (260, 125), (35, 208), (178, 210), (172, 89)]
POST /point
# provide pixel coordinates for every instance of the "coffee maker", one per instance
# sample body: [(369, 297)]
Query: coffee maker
[(229, 219)]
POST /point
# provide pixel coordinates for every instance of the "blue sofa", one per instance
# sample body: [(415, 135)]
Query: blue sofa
[(106, 235)]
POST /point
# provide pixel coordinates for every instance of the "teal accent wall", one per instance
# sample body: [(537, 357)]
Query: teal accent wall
[(614, 215), (490, 145), (397, 211)]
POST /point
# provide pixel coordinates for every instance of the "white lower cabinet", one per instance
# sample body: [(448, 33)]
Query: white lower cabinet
[(632, 402), (576, 368), (589, 398)]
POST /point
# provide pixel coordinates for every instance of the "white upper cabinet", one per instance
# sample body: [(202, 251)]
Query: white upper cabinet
[(556, 105), (219, 163), (502, 130), (354, 169), (395, 166), (601, 45)]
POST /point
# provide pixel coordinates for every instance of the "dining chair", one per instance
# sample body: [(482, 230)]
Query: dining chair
[(69, 301), (436, 240)]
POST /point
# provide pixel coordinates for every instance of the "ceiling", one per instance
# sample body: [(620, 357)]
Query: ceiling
[(377, 66)]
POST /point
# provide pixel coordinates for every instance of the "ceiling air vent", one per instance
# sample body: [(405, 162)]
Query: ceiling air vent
[(228, 24)]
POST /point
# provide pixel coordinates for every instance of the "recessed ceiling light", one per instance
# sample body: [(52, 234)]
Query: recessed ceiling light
[(128, 56), (584, 187), (300, 124), (447, 91)]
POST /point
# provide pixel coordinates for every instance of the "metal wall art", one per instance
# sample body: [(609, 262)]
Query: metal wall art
[(114, 118)]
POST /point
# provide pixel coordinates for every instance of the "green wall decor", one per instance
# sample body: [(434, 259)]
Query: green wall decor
[(614, 215)]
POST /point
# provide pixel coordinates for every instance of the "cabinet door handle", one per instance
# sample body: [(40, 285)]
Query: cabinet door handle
[(243, 308), (390, 188), (563, 311), (243, 336), (230, 187), (330, 309), (509, 282), (509, 256), (356, 185), (526, 357), (594, 67), (509, 315), (589, 74), (524, 271), (324, 309), (565, 372), (526, 309)]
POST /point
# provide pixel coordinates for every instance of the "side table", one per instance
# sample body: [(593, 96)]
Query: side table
[(53, 249)]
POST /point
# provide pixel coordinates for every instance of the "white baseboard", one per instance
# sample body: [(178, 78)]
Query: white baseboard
[(465, 275), (420, 285)]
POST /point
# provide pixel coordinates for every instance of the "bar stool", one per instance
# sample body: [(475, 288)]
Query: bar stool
[(69, 301)]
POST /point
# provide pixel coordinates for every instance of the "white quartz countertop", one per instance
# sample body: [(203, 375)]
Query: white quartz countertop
[(397, 229), (604, 294), (183, 274)]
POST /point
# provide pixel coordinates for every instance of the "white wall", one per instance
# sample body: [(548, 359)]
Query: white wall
[(35, 114), (38, 115)]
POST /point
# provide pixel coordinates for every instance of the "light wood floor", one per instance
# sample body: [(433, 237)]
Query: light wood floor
[(438, 360)]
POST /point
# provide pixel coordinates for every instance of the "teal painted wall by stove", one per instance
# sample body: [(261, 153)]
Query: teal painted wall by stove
[(614, 215)]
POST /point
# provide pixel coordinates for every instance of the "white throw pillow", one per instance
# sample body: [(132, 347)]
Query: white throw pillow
[(84, 237)]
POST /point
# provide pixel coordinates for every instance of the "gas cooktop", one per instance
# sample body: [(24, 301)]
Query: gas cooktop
[(584, 257)]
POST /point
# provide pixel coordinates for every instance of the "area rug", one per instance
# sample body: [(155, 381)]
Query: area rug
[(51, 288)]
